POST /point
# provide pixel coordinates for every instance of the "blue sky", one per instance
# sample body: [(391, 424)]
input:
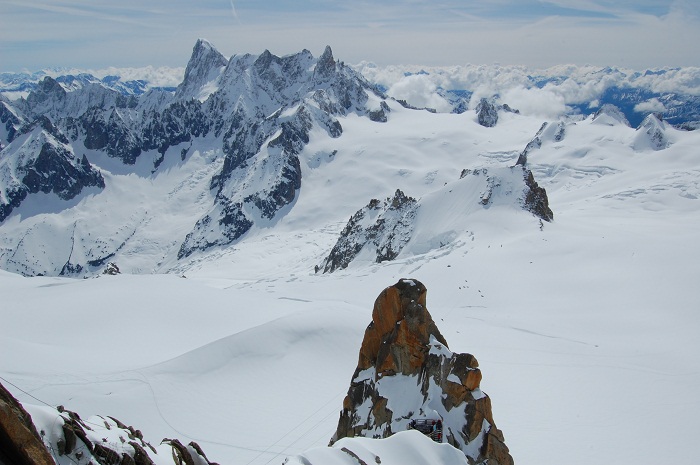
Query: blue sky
[(94, 34)]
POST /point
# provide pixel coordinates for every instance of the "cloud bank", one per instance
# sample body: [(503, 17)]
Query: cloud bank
[(545, 92)]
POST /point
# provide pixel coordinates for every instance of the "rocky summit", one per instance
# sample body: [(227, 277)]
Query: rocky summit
[(406, 372)]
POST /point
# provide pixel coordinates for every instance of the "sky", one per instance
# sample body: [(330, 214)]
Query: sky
[(95, 34)]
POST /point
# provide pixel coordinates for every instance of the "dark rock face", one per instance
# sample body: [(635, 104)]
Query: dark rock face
[(536, 200), (384, 237), (81, 442), (487, 113), (113, 135), (45, 163), (48, 93), (20, 443), (380, 115), (406, 371)]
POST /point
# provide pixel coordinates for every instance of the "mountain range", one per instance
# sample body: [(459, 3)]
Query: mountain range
[(238, 226)]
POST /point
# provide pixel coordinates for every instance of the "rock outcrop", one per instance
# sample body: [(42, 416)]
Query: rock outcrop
[(406, 371), (487, 113), (40, 159), (67, 438), (548, 132), (651, 134), (20, 443), (381, 229)]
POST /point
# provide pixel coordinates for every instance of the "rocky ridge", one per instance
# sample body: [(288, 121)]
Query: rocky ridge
[(41, 159), (62, 436), (381, 230), (406, 371), (260, 111)]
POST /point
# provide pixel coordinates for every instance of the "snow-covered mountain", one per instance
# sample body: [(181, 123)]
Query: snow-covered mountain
[(252, 114), (220, 200), (551, 92), (127, 81)]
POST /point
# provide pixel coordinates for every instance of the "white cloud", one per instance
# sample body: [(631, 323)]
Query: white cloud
[(650, 106), (534, 101), (419, 90)]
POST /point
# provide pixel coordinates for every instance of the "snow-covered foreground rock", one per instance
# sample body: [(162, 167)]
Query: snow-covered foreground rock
[(405, 448)]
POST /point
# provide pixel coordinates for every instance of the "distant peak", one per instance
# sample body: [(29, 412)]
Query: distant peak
[(610, 114), (202, 68), (203, 43), (326, 63)]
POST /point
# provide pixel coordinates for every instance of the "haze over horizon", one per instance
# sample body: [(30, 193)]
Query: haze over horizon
[(644, 34)]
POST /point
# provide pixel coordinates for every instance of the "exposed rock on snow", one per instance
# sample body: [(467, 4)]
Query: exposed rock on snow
[(66, 438), (379, 230), (548, 132), (380, 115), (111, 269), (406, 371), (610, 115), (487, 113), (20, 443), (651, 134), (40, 159), (535, 200)]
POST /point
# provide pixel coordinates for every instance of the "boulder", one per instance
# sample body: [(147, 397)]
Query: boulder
[(406, 371)]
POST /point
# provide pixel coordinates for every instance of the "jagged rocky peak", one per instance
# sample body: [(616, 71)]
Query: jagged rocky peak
[(406, 371), (535, 199), (48, 89), (487, 111), (651, 134), (325, 66), (610, 115), (205, 65), (378, 231)]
